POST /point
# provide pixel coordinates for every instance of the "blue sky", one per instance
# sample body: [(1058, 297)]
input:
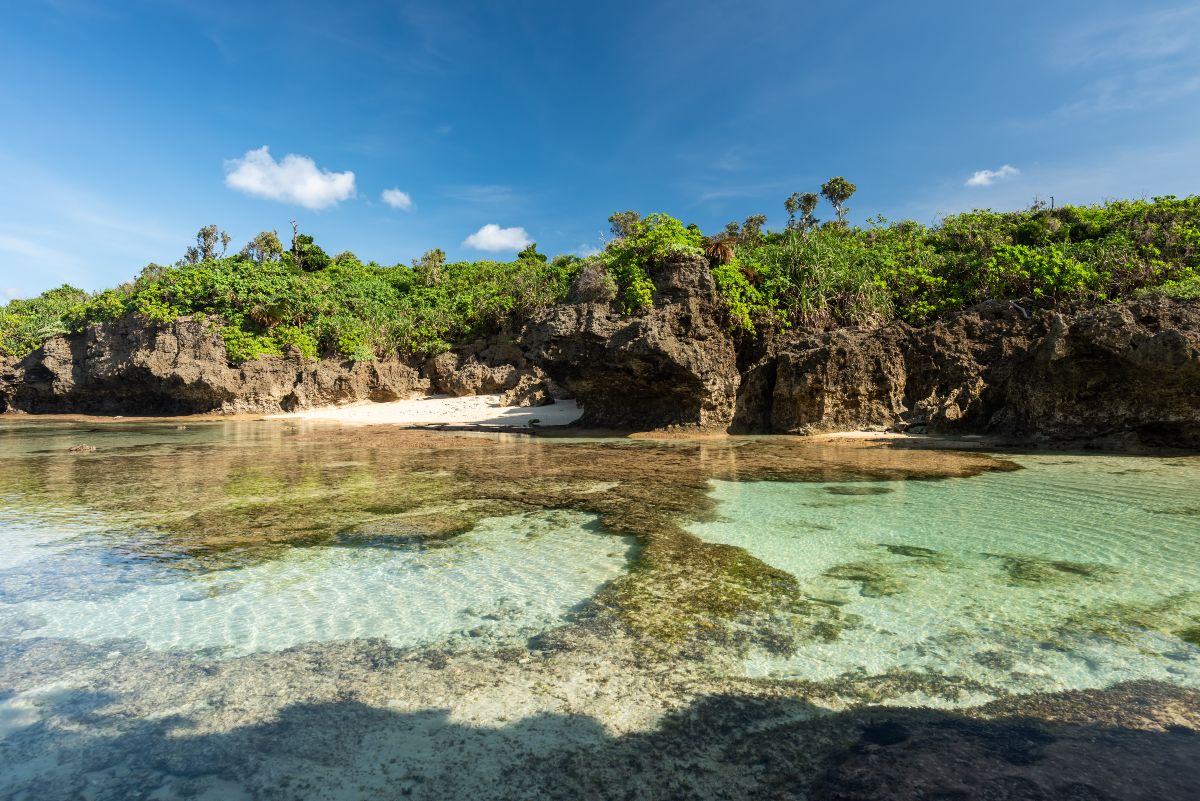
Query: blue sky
[(128, 125)]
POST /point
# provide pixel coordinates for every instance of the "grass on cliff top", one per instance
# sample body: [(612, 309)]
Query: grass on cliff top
[(267, 300)]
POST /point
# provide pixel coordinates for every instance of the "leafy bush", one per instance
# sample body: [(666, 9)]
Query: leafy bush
[(647, 241), (267, 301), (1184, 289), (26, 324)]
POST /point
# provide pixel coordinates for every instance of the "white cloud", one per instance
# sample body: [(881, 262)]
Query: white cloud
[(10, 293), (397, 199), (494, 238), (585, 250), (989, 177), (294, 179)]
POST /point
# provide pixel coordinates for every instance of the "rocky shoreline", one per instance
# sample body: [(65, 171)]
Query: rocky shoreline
[(1120, 375)]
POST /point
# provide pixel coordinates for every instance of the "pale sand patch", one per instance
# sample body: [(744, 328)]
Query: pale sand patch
[(470, 410)]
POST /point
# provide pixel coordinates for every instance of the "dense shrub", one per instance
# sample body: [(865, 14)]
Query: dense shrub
[(647, 241), (593, 284), (26, 324), (267, 301)]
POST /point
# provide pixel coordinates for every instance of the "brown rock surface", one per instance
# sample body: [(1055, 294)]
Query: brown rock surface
[(137, 366), (1127, 371), (675, 364)]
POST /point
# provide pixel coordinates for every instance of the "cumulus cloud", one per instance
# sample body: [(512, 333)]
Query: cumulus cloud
[(494, 238), (10, 293), (989, 177), (397, 199), (585, 249), (293, 179)]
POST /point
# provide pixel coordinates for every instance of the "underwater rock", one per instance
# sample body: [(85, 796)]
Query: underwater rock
[(851, 489)]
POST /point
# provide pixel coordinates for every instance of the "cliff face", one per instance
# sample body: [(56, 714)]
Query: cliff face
[(134, 366), (674, 365), (1129, 372)]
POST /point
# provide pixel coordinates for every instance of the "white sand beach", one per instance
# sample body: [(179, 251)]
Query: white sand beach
[(470, 410)]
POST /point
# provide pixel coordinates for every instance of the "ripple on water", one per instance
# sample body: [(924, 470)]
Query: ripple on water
[(1052, 577), (507, 577)]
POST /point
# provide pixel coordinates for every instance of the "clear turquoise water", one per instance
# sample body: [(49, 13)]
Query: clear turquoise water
[(1075, 571), (252, 610), (508, 577)]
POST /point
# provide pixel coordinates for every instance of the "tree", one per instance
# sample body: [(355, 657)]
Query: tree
[(792, 205), (307, 255), (430, 265), (752, 229), (837, 191), (719, 250), (531, 254), (732, 231), (808, 204), (205, 248), (804, 203), (263, 248), (625, 223)]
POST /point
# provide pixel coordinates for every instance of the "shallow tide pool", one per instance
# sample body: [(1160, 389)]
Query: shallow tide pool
[(227, 610), (1075, 571)]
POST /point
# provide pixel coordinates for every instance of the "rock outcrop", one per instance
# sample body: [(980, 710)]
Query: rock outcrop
[(1128, 371), (1121, 373), (673, 365), (136, 366), (489, 367)]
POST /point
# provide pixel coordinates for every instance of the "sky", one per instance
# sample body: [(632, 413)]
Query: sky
[(389, 128)]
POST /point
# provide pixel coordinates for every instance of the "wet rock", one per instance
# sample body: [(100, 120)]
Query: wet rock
[(81, 449)]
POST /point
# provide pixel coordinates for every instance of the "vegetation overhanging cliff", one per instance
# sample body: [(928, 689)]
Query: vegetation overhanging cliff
[(1072, 322)]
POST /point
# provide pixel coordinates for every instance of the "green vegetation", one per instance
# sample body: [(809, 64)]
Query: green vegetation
[(268, 300)]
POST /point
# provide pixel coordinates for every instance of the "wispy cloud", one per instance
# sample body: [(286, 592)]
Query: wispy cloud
[(483, 194), (989, 177), (294, 179), (727, 192), (397, 199), (1145, 36), (492, 237), (586, 249), (1132, 62), (8, 293)]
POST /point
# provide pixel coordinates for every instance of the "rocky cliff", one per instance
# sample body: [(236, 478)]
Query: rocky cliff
[(673, 365), (137, 366), (1123, 373)]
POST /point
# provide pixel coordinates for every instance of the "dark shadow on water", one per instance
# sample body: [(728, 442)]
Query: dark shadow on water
[(722, 746)]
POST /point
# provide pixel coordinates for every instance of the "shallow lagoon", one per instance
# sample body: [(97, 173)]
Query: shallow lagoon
[(308, 611), (1075, 571)]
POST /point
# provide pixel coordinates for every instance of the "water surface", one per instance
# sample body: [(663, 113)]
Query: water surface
[(241, 609)]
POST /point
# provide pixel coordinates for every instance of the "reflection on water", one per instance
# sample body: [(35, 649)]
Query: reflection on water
[(369, 600)]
